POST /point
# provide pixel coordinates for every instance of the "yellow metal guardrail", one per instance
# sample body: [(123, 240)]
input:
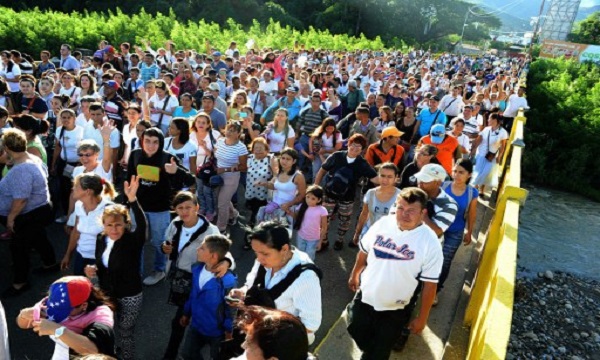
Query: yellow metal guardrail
[(490, 309)]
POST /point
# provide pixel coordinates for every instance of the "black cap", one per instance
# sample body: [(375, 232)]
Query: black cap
[(435, 97)]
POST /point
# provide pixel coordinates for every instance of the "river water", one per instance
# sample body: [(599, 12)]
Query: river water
[(559, 231)]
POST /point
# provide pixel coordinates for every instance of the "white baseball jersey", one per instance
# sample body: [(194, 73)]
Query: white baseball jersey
[(397, 260)]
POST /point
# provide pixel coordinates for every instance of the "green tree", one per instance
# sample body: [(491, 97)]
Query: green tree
[(587, 31)]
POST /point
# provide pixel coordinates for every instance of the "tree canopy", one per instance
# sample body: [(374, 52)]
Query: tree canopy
[(414, 22), (587, 31)]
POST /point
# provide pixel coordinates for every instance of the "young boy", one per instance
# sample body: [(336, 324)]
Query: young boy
[(212, 318)]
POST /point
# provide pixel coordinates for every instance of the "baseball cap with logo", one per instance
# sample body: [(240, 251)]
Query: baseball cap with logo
[(214, 87), (437, 133), (112, 84), (431, 172), (66, 294)]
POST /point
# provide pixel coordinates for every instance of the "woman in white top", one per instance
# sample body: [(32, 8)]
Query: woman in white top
[(10, 71), (134, 113), (231, 155), (68, 88), (324, 141), (205, 138), (457, 125), (88, 86), (279, 133), (275, 258), (92, 194), (162, 104), (179, 143), (68, 137), (385, 118), (289, 186), (488, 150)]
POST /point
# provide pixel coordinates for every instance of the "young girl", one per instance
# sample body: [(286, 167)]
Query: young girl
[(324, 141), (310, 219)]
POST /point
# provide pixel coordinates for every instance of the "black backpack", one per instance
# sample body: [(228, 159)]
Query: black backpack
[(338, 184), (261, 296)]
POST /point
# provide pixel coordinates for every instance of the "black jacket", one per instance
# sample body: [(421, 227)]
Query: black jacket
[(122, 277)]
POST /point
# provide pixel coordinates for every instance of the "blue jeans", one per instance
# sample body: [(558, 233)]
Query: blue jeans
[(195, 342), (308, 246), (303, 144), (158, 223), (452, 241), (206, 197)]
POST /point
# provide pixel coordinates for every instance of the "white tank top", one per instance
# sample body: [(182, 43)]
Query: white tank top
[(284, 191)]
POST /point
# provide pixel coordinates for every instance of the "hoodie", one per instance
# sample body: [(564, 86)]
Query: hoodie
[(154, 193)]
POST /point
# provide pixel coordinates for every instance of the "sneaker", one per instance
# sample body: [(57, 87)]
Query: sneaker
[(210, 216), (435, 301), (154, 278), (61, 219)]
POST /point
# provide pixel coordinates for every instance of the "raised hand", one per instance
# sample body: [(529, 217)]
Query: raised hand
[(171, 167), (130, 188), (106, 129)]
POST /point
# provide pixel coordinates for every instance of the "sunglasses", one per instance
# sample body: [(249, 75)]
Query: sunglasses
[(85, 155)]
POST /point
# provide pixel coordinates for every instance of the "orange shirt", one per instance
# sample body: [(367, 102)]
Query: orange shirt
[(446, 151), (376, 156)]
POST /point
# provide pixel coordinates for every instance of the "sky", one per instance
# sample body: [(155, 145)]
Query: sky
[(589, 3)]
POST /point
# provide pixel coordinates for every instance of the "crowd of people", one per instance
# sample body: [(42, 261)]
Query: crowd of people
[(133, 145)]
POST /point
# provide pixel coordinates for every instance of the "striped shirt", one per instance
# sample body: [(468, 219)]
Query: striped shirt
[(229, 155), (302, 299), (445, 209), (310, 120)]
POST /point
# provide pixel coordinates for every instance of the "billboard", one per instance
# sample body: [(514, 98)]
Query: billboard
[(569, 50)]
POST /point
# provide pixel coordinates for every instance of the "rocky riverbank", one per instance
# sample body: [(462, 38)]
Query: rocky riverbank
[(556, 316)]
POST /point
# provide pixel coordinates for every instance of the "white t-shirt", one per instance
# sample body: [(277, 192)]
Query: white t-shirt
[(128, 135), (106, 254), (99, 170), (159, 104), (200, 153), (186, 234), (327, 142), (205, 276), (270, 89), (69, 141), (277, 141), (90, 132), (186, 152), (80, 120), (514, 103), (495, 140), (463, 140), (89, 225), (13, 74), (73, 92), (254, 101), (397, 261)]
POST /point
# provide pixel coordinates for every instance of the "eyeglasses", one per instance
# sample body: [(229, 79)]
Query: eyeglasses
[(85, 155), (356, 146)]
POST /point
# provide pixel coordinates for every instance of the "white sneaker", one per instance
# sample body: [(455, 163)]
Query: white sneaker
[(435, 301), (154, 278)]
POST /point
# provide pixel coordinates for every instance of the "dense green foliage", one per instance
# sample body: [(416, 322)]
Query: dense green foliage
[(415, 22), (563, 126), (33, 31), (587, 31)]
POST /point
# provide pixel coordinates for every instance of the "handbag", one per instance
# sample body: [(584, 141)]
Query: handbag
[(490, 156), (207, 170), (181, 286)]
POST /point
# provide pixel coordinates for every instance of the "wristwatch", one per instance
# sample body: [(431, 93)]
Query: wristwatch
[(59, 332)]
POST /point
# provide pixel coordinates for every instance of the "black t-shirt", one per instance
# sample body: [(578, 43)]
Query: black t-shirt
[(103, 336), (360, 168), (35, 105)]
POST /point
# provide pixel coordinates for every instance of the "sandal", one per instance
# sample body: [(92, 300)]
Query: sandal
[(338, 245)]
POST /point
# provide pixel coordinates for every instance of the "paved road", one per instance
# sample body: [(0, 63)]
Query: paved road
[(153, 327)]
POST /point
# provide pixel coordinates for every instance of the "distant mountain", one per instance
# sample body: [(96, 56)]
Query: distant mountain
[(516, 17)]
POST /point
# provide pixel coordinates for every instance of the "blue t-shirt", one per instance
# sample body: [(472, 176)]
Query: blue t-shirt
[(178, 112), (460, 223), (426, 117)]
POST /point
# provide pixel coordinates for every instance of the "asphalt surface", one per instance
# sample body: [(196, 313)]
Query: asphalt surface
[(153, 327)]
